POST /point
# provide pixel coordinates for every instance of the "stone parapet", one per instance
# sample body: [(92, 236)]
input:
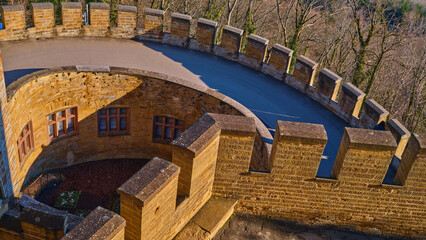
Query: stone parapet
[(99, 224), (206, 35), (279, 61), (255, 51), (401, 135), (304, 72), (230, 44), (373, 114), (328, 84), (351, 99)]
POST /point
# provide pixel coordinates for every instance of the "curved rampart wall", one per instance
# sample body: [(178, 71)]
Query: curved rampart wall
[(35, 96)]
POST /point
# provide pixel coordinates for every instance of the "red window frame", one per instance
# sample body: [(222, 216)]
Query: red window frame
[(25, 141), (116, 114), (69, 114), (167, 122)]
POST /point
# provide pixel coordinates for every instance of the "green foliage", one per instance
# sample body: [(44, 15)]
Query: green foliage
[(212, 11), (68, 199)]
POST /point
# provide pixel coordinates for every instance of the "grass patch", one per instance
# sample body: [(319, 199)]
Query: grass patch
[(68, 199)]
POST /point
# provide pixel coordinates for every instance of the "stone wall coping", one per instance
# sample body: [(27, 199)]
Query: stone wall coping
[(397, 128), (301, 132), (331, 75), (71, 5), (207, 22), (233, 30), (261, 128), (39, 214), (353, 91), (280, 48), (307, 61), (99, 6), (156, 12), (366, 139), (181, 16), (126, 8), (92, 68), (421, 139), (258, 39), (12, 8), (376, 107), (197, 137), (40, 6), (150, 179), (99, 224)]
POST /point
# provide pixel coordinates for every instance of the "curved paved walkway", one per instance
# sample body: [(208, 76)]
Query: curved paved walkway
[(268, 98)]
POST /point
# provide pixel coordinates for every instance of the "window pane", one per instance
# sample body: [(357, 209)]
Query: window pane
[(50, 118), (28, 142), (103, 112), (69, 111), (159, 119), (177, 133), (169, 120), (123, 123), (50, 128), (59, 114), (123, 110), (113, 123), (70, 124), (112, 111), (102, 124), (60, 128), (23, 149), (158, 132), (168, 133), (178, 123)]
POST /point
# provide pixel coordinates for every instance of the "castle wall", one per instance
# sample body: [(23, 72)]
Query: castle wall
[(39, 95)]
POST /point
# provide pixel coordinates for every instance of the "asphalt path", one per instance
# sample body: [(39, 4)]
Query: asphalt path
[(268, 98)]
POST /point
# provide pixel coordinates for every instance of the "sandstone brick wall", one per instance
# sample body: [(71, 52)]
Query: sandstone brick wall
[(99, 20), (154, 23), (56, 90), (154, 190), (13, 19), (356, 197), (206, 34), (255, 51), (43, 18)]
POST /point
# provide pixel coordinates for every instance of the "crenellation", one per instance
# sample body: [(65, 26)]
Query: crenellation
[(413, 162), (373, 114), (364, 156), (401, 135), (13, 18), (154, 19), (218, 155), (72, 21), (328, 84), (230, 44), (278, 63), (179, 30), (256, 50), (304, 72), (44, 20), (99, 20), (205, 36), (126, 22), (351, 99)]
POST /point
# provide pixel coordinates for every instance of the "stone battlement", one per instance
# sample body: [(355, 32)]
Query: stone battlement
[(224, 151), (322, 85)]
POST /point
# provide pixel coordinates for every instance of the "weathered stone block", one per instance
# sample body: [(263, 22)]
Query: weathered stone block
[(351, 100), (154, 22), (255, 52), (373, 114), (401, 135), (364, 156), (411, 171), (305, 70), (279, 62), (206, 34), (328, 83)]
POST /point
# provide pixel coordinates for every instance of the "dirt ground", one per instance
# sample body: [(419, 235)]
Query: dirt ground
[(260, 228), (97, 181)]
